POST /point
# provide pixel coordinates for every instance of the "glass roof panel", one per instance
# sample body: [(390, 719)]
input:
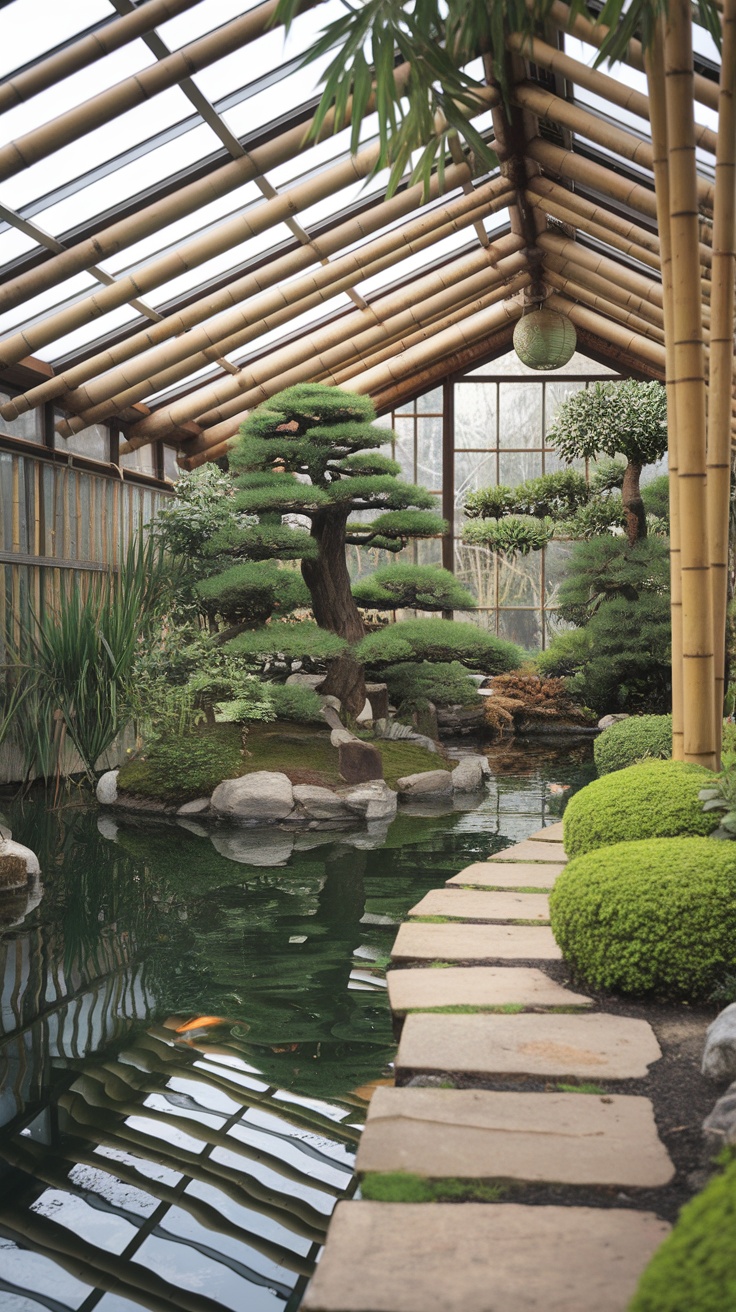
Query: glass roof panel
[(220, 264), (204, 17), (25, 38), (78, 88)]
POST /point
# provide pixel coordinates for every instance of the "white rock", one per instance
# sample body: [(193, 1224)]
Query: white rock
[(373, 800), (720, 1127), (197, 807), (366, 715), (107, 827), (430, 783), (10, 877), (254, 799), (470, 775), (265, 848), (341, 736), (107, 788), (719, 1058), (306, 680), (320, 803), (334, 702)]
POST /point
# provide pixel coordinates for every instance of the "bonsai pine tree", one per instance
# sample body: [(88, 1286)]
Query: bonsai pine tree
[(627, 418)]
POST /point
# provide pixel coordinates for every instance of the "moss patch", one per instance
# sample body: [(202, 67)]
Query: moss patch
[(403, 1187), (181, 769), (582, 1088)]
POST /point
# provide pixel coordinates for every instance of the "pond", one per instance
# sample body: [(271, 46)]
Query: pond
[(188, 1042)]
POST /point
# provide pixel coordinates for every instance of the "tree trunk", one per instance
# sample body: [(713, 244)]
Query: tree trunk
[(334, 607), (636, 519)]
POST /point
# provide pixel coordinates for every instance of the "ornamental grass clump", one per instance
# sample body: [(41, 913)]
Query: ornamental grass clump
[(655, 799), (694, 1269), (651, 917), (636, 739)]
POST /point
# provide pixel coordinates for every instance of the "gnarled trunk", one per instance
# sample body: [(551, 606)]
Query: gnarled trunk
[(636, 519), (334, 607)]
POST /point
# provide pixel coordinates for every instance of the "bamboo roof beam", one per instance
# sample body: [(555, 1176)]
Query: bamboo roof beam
[(248, 319), (591, 79), (395, 394), (80, 54), (629, 236), (566, 164), (609, 306), (184, 201), (236, 292), (574, 219), (406, 364), (566, 271), (135, 90), (212, 399), (578, 256), (553, 109), (635, 344)]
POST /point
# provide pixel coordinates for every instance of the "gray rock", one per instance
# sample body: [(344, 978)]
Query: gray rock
[(107, 788), (17, 865), (342, 735), (372, 801), (720, 1127), (194, 828), (719, 1058), (266, 848), (608, 720), (470, 775), (430, 783), (320, 803), (332, 718), (429, 744), (359, 762), (306, 680), (333, 702), (396, 730), (254, 799), (198, 807), (107, 827), (377, 694)]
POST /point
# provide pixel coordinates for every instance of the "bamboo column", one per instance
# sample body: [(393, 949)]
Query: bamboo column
[(721, 353), (688, 383)]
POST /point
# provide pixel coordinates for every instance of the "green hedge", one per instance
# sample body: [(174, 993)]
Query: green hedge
[(657, 916), (655, 799), (633, 740), (694, 1269)]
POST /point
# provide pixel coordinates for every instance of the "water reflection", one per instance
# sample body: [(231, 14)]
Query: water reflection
[(188, 1042)]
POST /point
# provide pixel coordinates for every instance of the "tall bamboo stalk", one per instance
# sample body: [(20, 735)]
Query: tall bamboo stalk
[(721, 352), (688, 381)]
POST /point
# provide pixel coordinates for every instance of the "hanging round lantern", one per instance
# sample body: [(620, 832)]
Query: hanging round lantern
[(544, 339)]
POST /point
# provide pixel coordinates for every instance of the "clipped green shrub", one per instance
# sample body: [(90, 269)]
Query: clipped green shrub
[(693, 1270), (294, 641), (441, 682), (292, 702), (416, 587), (439, 640), (657, 916), (655, 799), (186, 766), (632, 740)]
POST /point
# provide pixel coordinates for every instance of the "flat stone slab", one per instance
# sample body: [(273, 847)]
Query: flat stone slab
[(481, 1257), (531, 850), (587, 1047), (563, 1138), (467, 904), (459, 942), (508, 874), (477, 986), (550, 834)]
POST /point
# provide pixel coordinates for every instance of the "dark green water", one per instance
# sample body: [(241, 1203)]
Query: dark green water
[(188, 1041)]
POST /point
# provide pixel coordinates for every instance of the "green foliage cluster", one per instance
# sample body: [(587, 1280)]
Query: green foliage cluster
[(405, 1187), (655, 799), (656, 498), (252, 590), (657, 916), (444, 683), (186, 766), (719, 801), (202, 508), (553, 496), (516, 535), (293, 702), (292, 641), (632, 740), (614, 418), (413, 587), (439, 640), (693, 1270)]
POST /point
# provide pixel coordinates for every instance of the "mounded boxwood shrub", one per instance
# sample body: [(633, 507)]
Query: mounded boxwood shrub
[(291, 701), (632, 740), (657, 916), (694, 1269), (654, 799)]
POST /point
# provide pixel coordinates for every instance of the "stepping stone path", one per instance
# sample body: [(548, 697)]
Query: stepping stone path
[(492, 1020)]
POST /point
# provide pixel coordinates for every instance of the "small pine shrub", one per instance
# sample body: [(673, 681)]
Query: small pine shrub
[(293, 702), (294, 641), (657, 916), (416, 587), (441, 682), (655, 799), (694, 1269), (439, 640), (186, 766), (633, 740)]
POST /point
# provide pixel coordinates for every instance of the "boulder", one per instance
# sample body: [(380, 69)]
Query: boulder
[(719, 1058), (332, 718), (254, 799), (608, 720), (720, 1127), (342, 735), (197, 807), (430, 783), (263, 849), (365, 716), (359, 762), (333, 702), (377, 694), (371, 801), (18, 864), (107, 788), (321, 803), (107, 827), (312, 681), (462, 719), (470, 775)]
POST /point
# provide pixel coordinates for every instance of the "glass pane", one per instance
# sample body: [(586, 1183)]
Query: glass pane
[(556, 565), (142, 460), (556, 393), (520, 423), (516, 467), (404, 448), (522, 626), (520, 580), (475, 568), (509, 363), (429, 551), (28, 426), (172, 470), (429, 453), (475, 415), (473, 470), (485, 619), (92, 442), (431, 402)]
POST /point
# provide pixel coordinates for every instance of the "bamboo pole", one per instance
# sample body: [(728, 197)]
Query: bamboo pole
[(581, 257), (403, 365), (566, 164), (597, 292), (574, 210), (80, 54), (224, 396), (636, 345), (721, 354), (234, 328), (689, 388), (135, 90)]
